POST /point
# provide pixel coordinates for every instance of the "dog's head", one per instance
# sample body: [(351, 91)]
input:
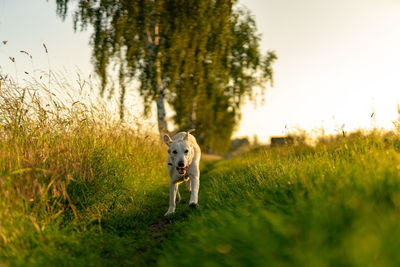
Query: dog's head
[(181, 153)]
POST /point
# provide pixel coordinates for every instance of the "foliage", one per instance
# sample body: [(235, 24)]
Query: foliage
[(203, 56)]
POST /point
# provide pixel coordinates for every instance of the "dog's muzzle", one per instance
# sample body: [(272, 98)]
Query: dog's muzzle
[(182, 170)]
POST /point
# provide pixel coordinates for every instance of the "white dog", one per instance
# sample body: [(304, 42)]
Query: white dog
[(183, 166)]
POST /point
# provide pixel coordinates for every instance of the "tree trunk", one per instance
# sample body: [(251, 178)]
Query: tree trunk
[(192, 115), (152, 43), (121, 102), (162, 123), (123, 91)]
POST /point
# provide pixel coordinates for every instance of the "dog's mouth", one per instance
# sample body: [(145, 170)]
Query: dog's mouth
[(182, 170)]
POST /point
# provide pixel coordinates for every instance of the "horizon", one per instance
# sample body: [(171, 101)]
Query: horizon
[(337, 62)]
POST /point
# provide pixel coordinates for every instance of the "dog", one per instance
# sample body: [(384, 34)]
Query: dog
[(183, 166)]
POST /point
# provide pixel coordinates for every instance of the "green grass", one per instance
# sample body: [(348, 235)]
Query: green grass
[(337, 204), (79, 189)]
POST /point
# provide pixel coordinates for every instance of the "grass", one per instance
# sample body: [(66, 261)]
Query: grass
[(78, 188), (333, 204)]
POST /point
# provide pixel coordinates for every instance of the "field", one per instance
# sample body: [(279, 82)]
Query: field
[(78, 189)]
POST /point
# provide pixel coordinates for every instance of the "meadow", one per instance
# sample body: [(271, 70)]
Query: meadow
[(78, 188)]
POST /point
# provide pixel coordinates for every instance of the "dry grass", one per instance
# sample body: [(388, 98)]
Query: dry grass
[(52, 150)]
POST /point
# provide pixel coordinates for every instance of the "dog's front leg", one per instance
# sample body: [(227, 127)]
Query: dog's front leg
[(173, 188), (188, 185), (178, 196), (194, 186)]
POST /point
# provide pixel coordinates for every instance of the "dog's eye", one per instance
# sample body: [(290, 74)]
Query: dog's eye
[(186, 151), (175, 152)]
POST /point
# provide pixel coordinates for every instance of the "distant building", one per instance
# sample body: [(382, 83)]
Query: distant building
[(281, 140)]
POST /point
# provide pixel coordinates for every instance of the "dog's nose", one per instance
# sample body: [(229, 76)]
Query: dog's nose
[(181, 164)]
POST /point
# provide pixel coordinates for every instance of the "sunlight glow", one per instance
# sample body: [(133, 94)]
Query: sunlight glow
[(338, 61), (338, 64)]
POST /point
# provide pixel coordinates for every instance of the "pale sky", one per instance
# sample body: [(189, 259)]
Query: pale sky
[(339, 60)]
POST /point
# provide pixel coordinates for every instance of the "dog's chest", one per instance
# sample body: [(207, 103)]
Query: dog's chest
[(181, 179)]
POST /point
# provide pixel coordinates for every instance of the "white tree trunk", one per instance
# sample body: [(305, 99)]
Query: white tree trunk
[(162, 123), (192, 115), (152, 42)]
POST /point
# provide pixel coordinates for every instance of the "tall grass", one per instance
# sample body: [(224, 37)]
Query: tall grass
[(69, 166)]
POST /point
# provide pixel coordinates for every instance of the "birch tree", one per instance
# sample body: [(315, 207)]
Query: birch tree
[(202, 57)]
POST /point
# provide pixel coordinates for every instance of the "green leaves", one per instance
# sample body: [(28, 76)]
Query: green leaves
[(203, 56)]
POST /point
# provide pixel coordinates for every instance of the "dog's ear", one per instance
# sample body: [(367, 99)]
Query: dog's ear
[(187, 134), (167, 139)]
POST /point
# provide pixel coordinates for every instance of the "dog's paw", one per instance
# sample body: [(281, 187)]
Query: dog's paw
[(193, 205), (168, 213)]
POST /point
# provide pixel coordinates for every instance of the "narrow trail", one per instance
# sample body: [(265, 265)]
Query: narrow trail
[(165, 224)]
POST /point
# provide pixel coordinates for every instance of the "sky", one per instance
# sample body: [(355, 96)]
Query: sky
[(338, 61)]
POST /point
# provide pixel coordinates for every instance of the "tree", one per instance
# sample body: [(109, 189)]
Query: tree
[(201, 56), (227, 66)]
